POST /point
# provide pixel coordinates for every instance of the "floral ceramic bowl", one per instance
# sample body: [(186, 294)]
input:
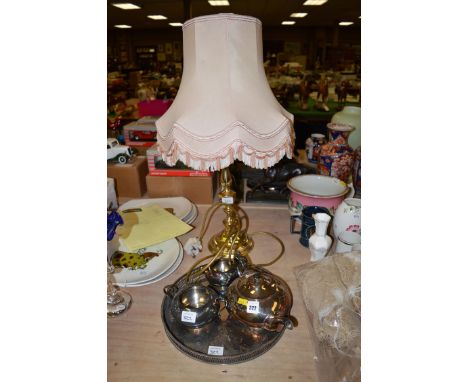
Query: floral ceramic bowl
[(316, 190)]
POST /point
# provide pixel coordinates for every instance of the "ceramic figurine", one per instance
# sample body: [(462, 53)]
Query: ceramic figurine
[(313, 145), (336, 158), (350, 115), (341, 91), (304, 91), (319, 140), (320, 242), (322, 93)]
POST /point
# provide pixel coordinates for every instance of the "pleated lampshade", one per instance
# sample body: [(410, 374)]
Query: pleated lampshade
[(224, 109)]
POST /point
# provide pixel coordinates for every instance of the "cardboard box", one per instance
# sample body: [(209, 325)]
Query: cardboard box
[(141, 133), (158, 168), (129, 178), (199, 190)]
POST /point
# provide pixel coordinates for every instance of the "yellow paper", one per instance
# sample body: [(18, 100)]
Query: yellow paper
[(151, 226)]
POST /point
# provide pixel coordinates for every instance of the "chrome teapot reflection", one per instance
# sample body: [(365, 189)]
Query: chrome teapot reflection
[(261, 300)]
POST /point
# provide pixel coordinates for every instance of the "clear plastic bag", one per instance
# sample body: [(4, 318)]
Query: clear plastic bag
[(331, 291)]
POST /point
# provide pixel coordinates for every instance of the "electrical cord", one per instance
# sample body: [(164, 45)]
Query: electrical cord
[(278, 240), (206, 222)]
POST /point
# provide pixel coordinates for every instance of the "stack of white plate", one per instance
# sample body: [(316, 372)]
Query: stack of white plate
[(183, 208), (172, 252)]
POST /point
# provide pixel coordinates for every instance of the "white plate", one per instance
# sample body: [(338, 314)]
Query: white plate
[(192, 216), (189, 216), (171, 270), (155, 267), (181, 206)]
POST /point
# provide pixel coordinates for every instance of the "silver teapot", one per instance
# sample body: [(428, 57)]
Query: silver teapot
[(193, 305), (261, 299)]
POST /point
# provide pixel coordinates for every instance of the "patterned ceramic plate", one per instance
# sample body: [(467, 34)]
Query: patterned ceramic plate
[(155, 267), (171, 270)]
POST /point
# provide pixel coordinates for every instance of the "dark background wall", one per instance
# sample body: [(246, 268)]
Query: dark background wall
[(331, 44)]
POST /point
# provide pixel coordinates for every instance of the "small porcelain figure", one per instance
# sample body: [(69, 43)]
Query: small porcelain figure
[(313, 145), (318, 141), (320, 242), (336, 157)]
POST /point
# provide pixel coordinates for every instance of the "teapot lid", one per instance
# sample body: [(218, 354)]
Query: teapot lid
[(259, 285)]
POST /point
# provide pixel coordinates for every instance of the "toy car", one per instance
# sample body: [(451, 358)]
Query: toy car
[(117, 152), (144, 135)]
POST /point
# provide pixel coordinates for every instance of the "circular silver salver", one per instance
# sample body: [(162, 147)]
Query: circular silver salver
[(224, 340)]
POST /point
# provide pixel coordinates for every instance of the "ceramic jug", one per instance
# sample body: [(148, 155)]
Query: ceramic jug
[(347, 217), (350, 115), (320, 242)]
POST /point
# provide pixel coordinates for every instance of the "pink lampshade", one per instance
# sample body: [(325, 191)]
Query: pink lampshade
[(225, 109)]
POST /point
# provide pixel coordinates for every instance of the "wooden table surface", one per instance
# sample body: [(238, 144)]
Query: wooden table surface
[(138, 349)]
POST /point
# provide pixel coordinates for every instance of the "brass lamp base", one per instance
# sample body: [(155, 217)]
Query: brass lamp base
[(233, 236)]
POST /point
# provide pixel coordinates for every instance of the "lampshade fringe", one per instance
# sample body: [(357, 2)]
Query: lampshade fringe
[(237, 150)]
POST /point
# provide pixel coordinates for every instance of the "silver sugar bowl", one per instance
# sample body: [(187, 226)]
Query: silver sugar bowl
[(193, 305)]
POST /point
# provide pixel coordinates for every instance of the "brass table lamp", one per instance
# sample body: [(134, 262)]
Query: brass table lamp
[(225, 110)]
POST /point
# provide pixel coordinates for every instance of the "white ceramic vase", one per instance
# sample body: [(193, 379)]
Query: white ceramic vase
[(350, 115), (347, 217), (320, 242)]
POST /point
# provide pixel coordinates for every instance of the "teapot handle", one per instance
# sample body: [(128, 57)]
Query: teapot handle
[(289, 322), (243, 265), (170, 290)]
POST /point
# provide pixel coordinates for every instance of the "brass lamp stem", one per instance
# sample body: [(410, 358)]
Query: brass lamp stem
[(232, 235)]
